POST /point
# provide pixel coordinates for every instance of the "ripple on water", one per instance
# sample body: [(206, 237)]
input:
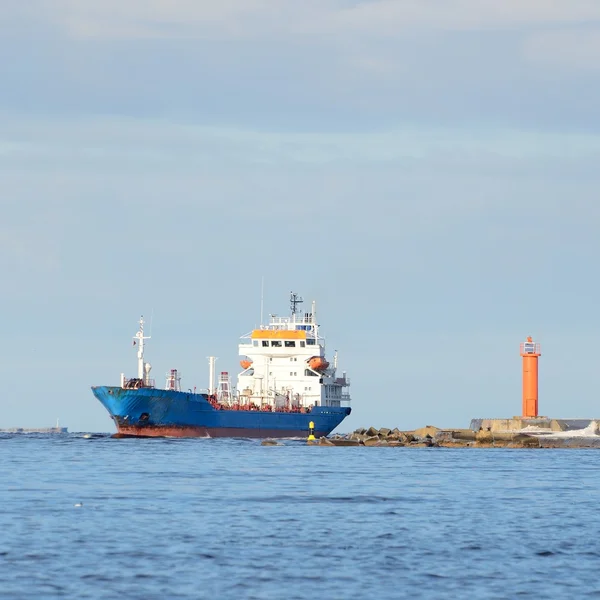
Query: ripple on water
[(199, 518)]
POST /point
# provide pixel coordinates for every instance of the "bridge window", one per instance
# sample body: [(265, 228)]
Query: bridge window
[(310, 342), (265, 344), (276, 344), (290, 344), (255, 342), (302, 344)]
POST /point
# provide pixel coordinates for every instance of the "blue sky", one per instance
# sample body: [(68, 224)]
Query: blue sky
[(428, 172)]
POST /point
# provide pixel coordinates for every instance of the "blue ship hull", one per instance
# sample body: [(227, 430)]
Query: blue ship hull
[(150, 412)]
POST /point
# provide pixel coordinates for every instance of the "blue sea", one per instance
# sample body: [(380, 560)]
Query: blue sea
[(165, 518)]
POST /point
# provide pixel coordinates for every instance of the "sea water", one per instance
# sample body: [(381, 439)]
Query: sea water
[(202, 518)]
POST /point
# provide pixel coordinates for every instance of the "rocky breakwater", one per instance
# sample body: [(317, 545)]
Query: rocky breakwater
[(431, 437)]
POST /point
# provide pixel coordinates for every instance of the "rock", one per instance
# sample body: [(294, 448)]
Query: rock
[(484, 437), (503, 436), (430, 436), (463, 434), (429, 430), (325, 442), (442, 436), (526, 441), (270, 443), (344, 442), (372, 440), (454, 443)]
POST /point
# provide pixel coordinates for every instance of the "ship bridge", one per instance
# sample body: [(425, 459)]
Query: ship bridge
[(296, 327), (284, 361)]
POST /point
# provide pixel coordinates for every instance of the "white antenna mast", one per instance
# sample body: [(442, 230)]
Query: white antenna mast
[(139, 340)]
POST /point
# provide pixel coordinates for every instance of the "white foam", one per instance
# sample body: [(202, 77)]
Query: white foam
[(534, 429), (592, 430)]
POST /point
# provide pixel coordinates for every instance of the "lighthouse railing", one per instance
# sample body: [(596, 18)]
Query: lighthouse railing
[(531, 348)]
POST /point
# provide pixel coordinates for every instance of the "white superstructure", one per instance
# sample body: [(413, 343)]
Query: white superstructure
[(284, 364)]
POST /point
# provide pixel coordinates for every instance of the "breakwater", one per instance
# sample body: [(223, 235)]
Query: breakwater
[(434, 437)]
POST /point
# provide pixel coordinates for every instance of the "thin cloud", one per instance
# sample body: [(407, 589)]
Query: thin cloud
[(389, 16), (251, 18), (567, 49), (96, 139)]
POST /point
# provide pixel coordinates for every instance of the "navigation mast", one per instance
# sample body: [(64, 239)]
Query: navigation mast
[(139, 340), (295, 300)]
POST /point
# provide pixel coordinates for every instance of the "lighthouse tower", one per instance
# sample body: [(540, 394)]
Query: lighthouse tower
[(530, 352)]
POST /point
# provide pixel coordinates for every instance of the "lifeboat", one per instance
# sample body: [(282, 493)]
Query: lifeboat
[(245, 363), (318, 363)]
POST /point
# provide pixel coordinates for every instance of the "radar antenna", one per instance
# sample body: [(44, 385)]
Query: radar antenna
[(295, 300)]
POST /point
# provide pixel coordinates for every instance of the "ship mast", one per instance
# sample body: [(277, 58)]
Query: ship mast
[(139, 340), (295, 300)]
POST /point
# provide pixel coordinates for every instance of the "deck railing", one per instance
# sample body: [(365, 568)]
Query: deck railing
[(135, 384), (530, 348)]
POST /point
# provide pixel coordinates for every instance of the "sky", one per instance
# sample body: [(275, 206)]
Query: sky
[(426, 171)]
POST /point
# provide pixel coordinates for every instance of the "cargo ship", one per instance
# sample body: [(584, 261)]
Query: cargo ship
[(286, 388)]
